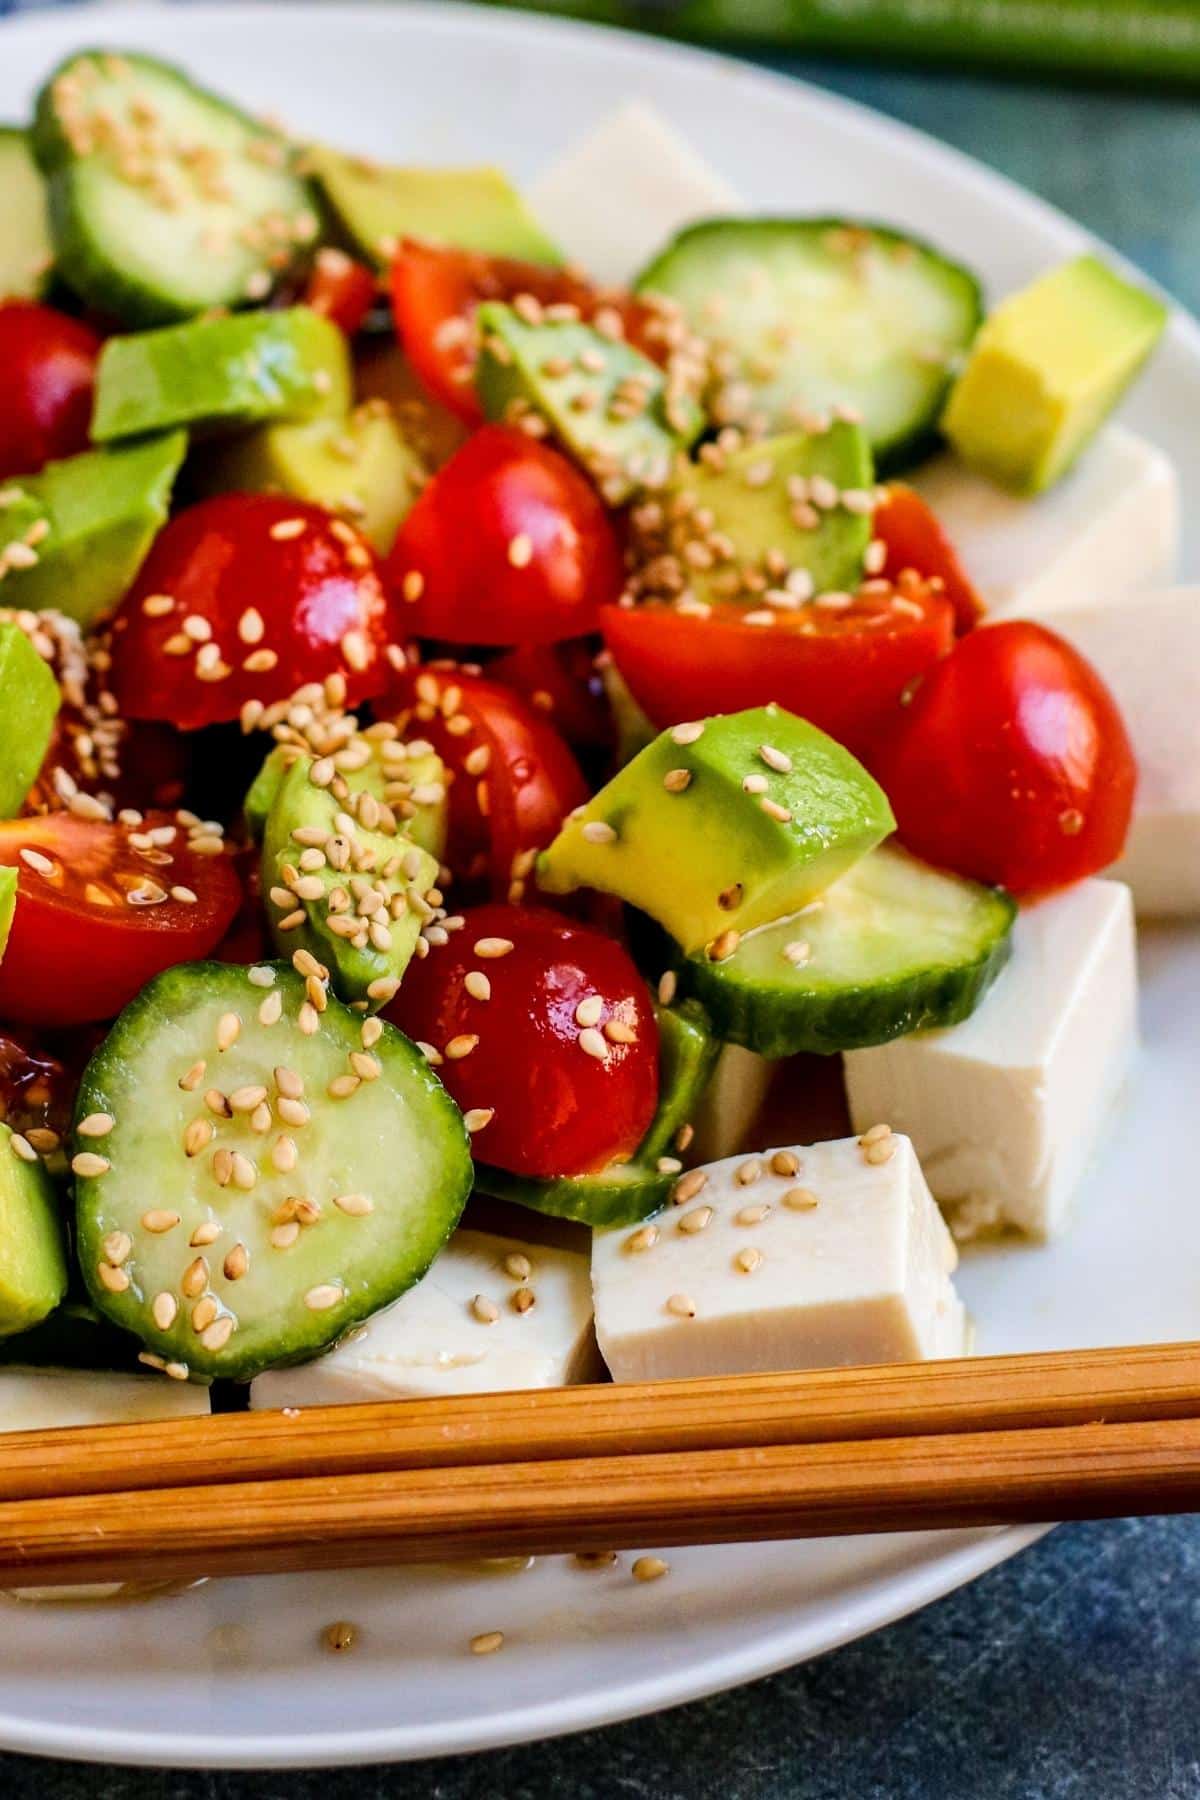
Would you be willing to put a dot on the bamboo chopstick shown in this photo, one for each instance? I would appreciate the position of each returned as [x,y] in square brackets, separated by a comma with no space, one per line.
[1077,1434]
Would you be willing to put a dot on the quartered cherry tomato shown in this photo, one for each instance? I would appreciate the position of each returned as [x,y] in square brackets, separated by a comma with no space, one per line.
[546,1037]
[434,296]
[507,544]
[341,289]
[249,597]
[913,539]
[49,364]
[1012,763]
[561,682]
[844,670]
[37,1089]
[513,779]
[103,907]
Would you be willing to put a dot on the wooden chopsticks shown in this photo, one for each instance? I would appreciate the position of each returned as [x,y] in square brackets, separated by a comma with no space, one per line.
[993,1441]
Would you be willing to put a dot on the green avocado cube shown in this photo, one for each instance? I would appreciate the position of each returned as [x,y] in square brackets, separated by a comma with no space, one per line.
[94,517]
[222,373]
[8,904]
[361,467]
[723,824]
[424,819]
[29,702]
[470,209]
[33,1263]
[607,404]
[1047,368]
[791,512]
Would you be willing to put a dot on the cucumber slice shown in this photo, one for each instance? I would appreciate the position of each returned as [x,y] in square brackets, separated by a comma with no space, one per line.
[892,947]
[164,199]
[629,1191]
[26,253]
[816,313]
[231,1289]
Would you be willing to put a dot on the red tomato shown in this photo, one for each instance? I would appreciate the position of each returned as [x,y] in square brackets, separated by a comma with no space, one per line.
[434,296]
[37,1090]
[513,778]
[98,914]
[269,594]
[507,544]
[843,670]
[914,540]
[341,289]
[560,681]
[49,365]
[1012,763]
[521,1057]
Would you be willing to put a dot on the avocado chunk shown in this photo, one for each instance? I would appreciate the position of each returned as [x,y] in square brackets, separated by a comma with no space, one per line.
[424,820]
[722,825]
[607,404]
[1047,368]
[223,373]
[29,701]
[33,1263]
[26,253]
[789,515]
[361,467]
[92,519]
[376,206]
[8,905]
[626,1192]
[364,906]
[73,1336]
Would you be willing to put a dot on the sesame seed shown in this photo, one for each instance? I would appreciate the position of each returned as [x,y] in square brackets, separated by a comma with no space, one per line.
[517,1265]
[271,1009]
[773,810]
[747,1173]
[747,1261]
[698,1219]
[486,1643]
[218,1334]
[384,987]
[461,1046]
[284,529]
[875,557]
[689,1185]
[875,1134]
[163,1310]
[97,1124]
[339,1636]
[785,1162]
[520,550]
[491,947]
[798,953]
[372,1031]
[477,984]
[157,606]
[33,859]
[800,1199]
[288,1082]
[228,1027]
[643,1239]
[485,1310]
[589,1010]
[323,1296]
[667,984]
[597,831]
[244,1172]
[676,781]
[687,733]
[775,759]
[117,1246]
[524,1300]
[593,1043]
[753,1215]
[245,1099]
[197,1136]
[682,1306]
[87,1164]
[308,1019]
[194,1279]
[413,585]
[723,946]
[754,784]
[478,1117]
[285,1235]
[115,1280]
[880,1151]
[650,1568]
[250,626]
[236,1263]
[342,1086]
[355,1206]
[158,1220]
[204,1312]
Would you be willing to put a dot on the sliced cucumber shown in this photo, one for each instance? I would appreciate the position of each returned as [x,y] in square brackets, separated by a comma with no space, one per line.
[632,1190]
[164,199]
[195,1253]
[26,253]
[892,947]
[816,313]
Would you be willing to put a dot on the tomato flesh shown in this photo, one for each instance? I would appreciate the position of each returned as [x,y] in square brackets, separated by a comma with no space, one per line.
[100,910]
[843,670]
[512,778]
[341,289]
[517,1055]
[507,544]
[268,594]
[913,539]
[1012,763]
[560,681]
[49,364]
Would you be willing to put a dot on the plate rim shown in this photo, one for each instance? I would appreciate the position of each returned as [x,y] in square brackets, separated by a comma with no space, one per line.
[885,1600]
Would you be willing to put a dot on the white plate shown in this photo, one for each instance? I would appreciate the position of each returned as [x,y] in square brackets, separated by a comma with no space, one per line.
[231,1674]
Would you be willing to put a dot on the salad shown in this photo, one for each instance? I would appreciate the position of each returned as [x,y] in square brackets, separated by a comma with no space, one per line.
[470,725]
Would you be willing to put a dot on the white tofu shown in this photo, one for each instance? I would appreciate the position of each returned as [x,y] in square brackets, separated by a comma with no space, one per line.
[431,1342]
[1006,1109]
[44,1399]
[1110,526]
[732,1102]
[1147,648]
[862,1277]
[615,198]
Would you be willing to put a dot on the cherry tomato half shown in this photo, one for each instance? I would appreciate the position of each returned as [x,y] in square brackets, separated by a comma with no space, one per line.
[1012,763]
[265,594]
[103,907]
[507,544]
[913,539]
[844,670]
[341,289]
[37,1089]
[49,365]
[434,296]
[513,779]
[551,1095]
[561,682]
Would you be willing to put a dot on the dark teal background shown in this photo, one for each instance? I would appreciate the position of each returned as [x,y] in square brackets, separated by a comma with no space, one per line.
[1072,1673]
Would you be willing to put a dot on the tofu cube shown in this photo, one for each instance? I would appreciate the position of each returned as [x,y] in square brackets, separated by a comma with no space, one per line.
[46,1399]
[1147,648]
[1111,525]
[441,1338]
[845,1261]
[1006,1109]
[615,198]
[735,1096]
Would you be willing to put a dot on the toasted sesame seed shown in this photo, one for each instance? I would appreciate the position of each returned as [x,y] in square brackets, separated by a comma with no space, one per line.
[478,1117]
[593,1043]
[228,1027]
[97,1124]
[203,1313]
[218,1334]
[618,1032]
[747,1173]
[485,1310]
[682,1306]
[486,1643]
[197,1135]
[117,1246]
[236,1263]
[644,1238]
[284,1236]
[875,1134]
[355,1206]
[288,1082]
[339,1636]
[384,987]
[698,1219]
[753,1215]
[163,1310]
[159,1219]
[308,1019]
[194,1279]
[477,984]
[244,1172]
[775,759]
[115,1280]
[323,1296]
[880,1151]
[271,1010]
[650,1568]
[245,1099]
[785,1162]
[723,946]
[413,585]
[668,1165]
[747,1260]
[461,1046]
[157,606]
[773,810]
[89,1165]
[754,784]
[689,1185]
[667,984]
[677,780]
[366,1067]
[372,1031]
[205,1233]
[597,831]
